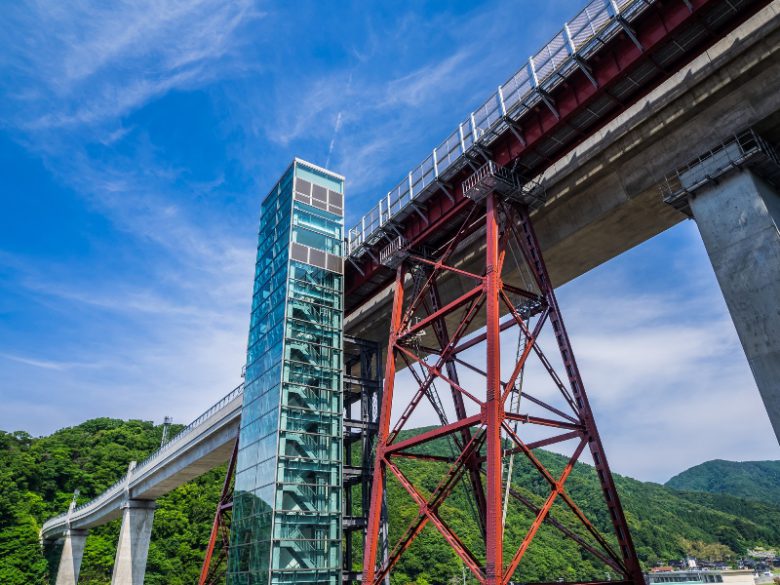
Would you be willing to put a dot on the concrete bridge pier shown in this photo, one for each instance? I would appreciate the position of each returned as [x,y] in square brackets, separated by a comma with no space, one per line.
[70,560]
[739,217]
[134,538]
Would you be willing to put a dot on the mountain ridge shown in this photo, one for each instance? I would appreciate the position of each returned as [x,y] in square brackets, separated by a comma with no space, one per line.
[752,480]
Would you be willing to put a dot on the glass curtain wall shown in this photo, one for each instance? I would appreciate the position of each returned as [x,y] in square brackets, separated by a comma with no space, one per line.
[286,524]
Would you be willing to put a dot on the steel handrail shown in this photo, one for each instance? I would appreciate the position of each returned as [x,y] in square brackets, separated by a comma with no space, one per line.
[600,19]
[707,167]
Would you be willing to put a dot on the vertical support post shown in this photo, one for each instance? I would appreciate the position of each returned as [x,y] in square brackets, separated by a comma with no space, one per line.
[501,104]
[361,393]
[532,73]
[378,481]
[70,560]
[346,561]
[570,48]
[493,408]
[134,538]
[739,221]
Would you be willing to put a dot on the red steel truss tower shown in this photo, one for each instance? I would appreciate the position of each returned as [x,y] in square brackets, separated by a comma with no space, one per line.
[497,416]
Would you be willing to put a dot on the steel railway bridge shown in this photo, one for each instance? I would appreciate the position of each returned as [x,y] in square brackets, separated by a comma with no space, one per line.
[558,171]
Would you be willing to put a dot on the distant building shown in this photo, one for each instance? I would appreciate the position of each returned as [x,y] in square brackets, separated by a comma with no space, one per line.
[761,554]
[699,577]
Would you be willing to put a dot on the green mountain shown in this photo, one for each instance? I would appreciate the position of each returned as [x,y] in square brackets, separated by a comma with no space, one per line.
[38,476]
[752,480]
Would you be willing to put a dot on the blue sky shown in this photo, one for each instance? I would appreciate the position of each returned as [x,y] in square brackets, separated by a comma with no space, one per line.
[136,143]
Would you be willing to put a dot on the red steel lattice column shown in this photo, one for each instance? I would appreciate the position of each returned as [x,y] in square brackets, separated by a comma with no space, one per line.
[532,250]
[209,572]
[493,410]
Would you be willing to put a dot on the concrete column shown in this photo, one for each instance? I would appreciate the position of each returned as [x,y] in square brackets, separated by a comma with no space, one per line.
[738,218]
[133,547]
[70,560]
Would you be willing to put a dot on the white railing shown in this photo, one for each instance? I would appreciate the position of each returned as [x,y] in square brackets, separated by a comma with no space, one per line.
[389,256]
[579,39]
[118,488]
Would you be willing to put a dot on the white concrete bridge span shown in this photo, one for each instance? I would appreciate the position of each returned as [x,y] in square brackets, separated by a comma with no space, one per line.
[202,445]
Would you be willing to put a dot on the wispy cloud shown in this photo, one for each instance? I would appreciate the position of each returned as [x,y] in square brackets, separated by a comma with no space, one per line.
[49,364]
[428,81]
[90,63]
[171,306]
[388,117]
[336,128]
[155,320]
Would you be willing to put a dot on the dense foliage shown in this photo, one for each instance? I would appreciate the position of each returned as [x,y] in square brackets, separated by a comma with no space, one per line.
[38,477]
[752,480]
[37,480]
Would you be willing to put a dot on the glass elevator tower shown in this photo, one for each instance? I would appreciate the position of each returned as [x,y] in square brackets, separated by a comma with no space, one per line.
[286,525]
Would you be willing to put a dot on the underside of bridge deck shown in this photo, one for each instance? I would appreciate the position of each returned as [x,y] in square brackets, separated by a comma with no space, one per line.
[603,196]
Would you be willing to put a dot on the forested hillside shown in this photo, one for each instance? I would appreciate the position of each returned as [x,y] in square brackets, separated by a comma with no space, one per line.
[37,479]
[752,480]
[38,476]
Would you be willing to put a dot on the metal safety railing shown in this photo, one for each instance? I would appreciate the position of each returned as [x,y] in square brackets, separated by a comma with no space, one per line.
[580,38]
[117,488]
[746,148]
[392,254]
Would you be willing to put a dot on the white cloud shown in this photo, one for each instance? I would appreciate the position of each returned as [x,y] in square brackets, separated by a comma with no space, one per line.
[388,121]
[126,350]
[89,63]
[160,326]
[428,81]
[48,364]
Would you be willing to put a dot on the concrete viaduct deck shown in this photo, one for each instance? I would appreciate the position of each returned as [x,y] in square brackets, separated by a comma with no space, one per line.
[603,196]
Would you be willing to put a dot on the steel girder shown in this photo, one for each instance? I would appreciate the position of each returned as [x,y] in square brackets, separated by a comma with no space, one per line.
[656,30]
